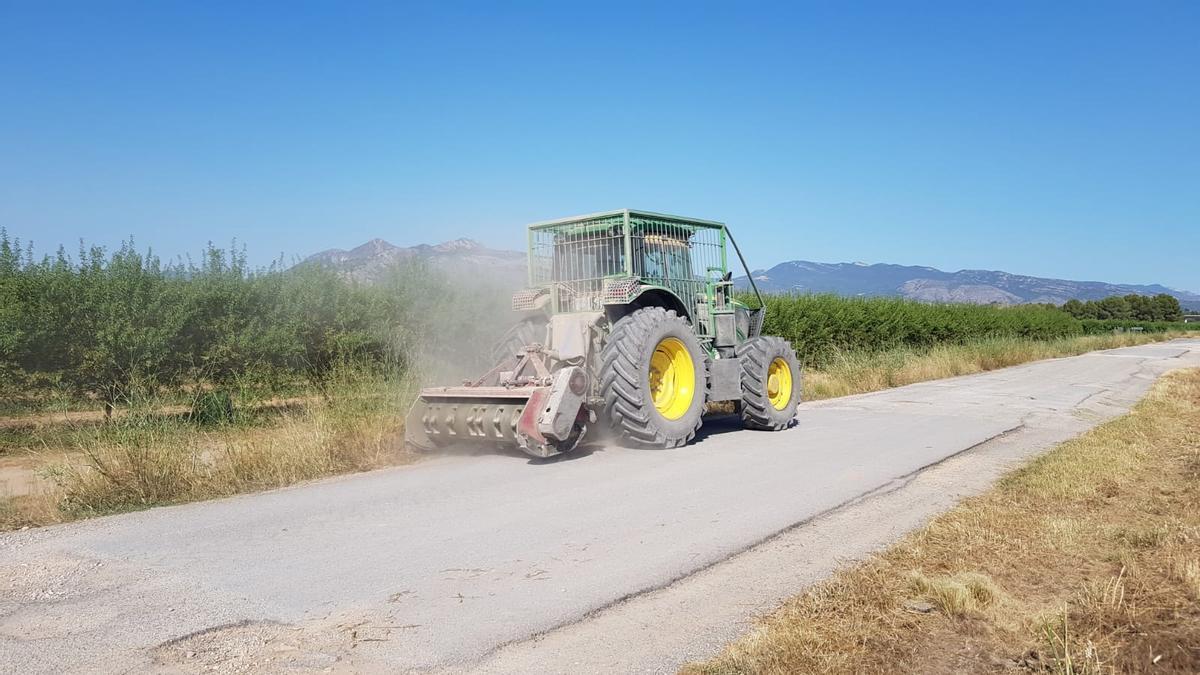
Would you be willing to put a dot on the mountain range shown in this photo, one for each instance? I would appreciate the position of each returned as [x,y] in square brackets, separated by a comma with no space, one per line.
[928,284]
[465,256]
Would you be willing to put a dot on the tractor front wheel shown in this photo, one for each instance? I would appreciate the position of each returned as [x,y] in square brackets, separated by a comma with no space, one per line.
[770,383]
[653,379]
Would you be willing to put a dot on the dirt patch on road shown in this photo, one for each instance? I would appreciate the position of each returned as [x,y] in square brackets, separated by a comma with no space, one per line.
[248,647]
[261,646]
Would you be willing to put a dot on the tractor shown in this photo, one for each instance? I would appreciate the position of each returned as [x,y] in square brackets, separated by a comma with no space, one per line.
[629,321]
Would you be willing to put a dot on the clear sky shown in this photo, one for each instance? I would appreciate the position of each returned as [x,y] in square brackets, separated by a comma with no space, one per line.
[1049,138]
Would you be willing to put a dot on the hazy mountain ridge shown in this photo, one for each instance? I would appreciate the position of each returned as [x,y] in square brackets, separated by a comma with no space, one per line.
[368,261]
[933,285]
[929,284]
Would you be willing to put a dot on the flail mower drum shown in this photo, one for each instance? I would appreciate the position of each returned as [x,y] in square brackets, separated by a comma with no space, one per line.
[629,320]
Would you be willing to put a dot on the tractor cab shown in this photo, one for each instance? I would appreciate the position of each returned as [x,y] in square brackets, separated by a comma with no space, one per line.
[623,260]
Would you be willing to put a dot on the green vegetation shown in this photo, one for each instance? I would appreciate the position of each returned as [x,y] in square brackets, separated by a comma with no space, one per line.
[824,328]
[1132,307]
[125,327]
[1117,313]
[1098,326]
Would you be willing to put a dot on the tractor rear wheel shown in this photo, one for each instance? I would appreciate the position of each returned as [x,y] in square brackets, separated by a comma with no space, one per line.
[770,383]
[653,379]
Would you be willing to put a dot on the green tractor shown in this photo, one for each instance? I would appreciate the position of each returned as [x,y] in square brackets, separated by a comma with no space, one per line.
[629,320]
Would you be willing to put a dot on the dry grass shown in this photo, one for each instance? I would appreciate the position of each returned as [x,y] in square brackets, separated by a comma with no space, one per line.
[137,463]
[858,373]
[1187,570]
[1085,561]
[961,594]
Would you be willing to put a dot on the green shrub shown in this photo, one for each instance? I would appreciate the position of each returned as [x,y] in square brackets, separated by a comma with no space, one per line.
[1100,326]
[212,408]
[124,326]
[822,326]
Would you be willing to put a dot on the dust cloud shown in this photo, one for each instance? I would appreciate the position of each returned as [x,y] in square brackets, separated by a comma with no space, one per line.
[450,318]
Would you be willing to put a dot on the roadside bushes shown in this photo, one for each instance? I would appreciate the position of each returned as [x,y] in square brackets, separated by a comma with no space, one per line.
[821,327]
[121,325]
[1130,307]
[1100,326]
[124,325]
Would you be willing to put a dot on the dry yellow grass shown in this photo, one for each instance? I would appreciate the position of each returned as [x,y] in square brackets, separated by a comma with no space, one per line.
[137,463]
[1187,570]
[960,594]
[1085,561]
[858,373]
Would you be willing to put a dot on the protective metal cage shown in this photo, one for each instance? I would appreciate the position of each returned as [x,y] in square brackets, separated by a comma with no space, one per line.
[577,257]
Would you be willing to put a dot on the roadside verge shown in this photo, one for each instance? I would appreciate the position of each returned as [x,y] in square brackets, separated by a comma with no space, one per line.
[1086,560]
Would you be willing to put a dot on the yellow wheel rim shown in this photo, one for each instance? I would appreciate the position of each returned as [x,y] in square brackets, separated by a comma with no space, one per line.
[779,384]
[672,378]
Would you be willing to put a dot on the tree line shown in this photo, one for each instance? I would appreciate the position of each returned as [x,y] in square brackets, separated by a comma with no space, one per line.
[823,327]
[1132,307]
[115,325]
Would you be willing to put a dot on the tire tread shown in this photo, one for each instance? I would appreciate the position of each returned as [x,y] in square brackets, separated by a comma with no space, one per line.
[755,355]
[625,400]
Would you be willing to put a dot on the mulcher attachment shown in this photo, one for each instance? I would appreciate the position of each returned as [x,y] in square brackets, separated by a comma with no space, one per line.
[539,411]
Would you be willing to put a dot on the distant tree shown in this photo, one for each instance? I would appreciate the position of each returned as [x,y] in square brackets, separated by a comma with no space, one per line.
[1140,307]
[223,311]
[48,315]
[1166,308]
[10,307]
[1132,307]
[1074,307]
[135,318]
[1114,307]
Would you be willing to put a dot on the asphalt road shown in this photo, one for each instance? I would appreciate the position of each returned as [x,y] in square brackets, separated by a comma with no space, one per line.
[474,562]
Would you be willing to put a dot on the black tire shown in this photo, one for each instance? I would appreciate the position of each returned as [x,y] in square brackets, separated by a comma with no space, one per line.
[524,332]
[756,356]
[625,380]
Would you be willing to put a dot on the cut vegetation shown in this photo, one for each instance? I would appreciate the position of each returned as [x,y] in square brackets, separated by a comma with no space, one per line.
[1085,561]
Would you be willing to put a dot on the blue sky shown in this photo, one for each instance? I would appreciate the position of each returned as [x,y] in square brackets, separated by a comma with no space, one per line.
[1055,139]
